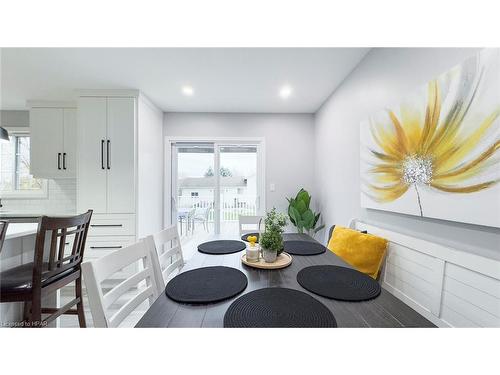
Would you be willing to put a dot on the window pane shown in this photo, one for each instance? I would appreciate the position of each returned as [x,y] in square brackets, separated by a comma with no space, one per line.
[25,181]
[15,166]
[7,150]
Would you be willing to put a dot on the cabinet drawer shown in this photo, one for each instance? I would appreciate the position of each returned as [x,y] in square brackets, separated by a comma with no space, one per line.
[112,225]
[97,247]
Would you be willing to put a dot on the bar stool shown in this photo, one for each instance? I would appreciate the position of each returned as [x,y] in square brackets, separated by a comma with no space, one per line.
[53,268]
[3,232]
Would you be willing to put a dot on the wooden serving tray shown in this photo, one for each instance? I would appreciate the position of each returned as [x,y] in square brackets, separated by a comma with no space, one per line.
[283,260]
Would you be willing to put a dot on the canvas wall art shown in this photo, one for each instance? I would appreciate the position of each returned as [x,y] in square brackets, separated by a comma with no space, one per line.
[436,154]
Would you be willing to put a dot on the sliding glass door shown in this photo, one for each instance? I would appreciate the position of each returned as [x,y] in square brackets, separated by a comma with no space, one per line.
[193,187]
[212,183]
[238,185]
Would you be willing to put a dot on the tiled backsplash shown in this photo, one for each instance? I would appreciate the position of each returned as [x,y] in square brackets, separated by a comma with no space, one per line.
[61,199]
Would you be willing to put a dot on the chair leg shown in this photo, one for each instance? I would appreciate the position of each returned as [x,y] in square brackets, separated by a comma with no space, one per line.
[27,311]
[79,305]
[35,318]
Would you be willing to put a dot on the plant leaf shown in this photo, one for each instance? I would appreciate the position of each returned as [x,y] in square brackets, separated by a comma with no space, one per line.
[294,216]
[319,228]
[301,207]
[316,218]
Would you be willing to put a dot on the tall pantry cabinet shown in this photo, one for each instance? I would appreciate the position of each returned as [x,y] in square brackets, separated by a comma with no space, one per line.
[120,137]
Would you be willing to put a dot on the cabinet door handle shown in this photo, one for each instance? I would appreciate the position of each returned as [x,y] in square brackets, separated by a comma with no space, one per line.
[102,153]
[64,160]
[107,153]
[58,160]
[106,247]
[106,225]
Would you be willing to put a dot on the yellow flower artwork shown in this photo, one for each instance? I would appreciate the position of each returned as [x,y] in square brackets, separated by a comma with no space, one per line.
[437,153]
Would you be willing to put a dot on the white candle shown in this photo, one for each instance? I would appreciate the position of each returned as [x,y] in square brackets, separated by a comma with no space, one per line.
[253,253]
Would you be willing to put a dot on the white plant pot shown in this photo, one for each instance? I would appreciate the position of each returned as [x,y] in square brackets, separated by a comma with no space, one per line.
[269,255]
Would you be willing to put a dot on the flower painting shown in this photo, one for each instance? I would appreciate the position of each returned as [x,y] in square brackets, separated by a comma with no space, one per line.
[436,154]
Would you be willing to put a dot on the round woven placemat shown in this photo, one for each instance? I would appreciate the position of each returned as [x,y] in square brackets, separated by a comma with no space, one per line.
[339,283]
[303,247]
[221,247]
[206,285]
[278,308]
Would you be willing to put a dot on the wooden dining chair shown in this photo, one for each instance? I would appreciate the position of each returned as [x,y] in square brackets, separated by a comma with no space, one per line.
[166,250]
[59,248]
[246,221]
[3,231]
[143,282]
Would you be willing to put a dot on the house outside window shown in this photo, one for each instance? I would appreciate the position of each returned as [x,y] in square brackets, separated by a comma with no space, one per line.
[194,194]
[15,178]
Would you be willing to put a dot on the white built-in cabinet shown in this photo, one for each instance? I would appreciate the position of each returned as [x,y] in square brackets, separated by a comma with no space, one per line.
[107,153]
[120,137]
[52,139]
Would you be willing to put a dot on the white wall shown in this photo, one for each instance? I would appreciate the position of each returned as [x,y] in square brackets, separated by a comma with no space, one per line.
[289,142]
[382,78]
[150,169]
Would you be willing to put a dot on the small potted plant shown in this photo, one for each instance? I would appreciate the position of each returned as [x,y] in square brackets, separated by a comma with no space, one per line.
[271,241]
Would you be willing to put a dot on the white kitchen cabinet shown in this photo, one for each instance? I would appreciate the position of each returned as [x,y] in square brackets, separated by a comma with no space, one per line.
[92,173]
[52,139]
[120,168]
[120,157]
[106,154]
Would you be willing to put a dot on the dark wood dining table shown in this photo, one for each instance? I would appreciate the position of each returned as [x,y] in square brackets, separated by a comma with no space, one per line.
[383,311]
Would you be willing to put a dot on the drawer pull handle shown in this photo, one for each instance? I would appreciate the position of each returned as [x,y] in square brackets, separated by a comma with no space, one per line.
[106,225]
[106,247]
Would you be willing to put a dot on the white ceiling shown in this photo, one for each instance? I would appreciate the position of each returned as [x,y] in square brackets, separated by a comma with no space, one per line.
[224,80]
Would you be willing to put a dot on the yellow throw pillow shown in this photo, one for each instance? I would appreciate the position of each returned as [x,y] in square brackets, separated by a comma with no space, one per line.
[364,252]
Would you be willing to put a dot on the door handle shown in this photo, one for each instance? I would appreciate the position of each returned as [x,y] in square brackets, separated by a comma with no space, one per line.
[107,153]
[102,154]
[58,160]
[64,160]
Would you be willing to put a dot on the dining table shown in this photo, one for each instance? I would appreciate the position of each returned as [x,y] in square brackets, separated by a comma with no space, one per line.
[383,311]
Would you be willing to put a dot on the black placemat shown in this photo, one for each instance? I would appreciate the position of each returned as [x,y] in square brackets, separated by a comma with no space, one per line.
[206,285]
[339,283]
[304,247]
[220,247]
[278,308]
[245,236]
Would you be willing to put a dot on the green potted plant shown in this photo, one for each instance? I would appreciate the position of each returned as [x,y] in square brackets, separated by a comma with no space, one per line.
[304,219]
[271,241]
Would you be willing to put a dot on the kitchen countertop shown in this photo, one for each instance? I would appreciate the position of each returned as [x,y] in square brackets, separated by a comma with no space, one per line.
[15,230]
[29,214]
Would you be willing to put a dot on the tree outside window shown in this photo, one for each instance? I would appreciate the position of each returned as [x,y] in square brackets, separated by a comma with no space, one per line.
[15,177]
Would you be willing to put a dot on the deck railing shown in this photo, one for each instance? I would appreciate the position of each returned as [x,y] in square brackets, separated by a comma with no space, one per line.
[232,205]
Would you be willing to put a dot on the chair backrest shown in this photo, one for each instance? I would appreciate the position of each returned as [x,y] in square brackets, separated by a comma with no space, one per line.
[53,257]
[166,250]
[249,224]
[98,270]
[3,232]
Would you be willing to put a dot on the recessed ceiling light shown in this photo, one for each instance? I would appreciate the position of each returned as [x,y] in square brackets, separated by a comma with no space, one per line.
[187,90]
[285,91]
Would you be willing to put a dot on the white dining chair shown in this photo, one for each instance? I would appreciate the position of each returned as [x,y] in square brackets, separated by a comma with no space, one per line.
[249,224]
[95,272]
[166,250]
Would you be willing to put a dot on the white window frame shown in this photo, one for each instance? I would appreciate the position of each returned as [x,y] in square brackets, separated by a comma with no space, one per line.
[43,193]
